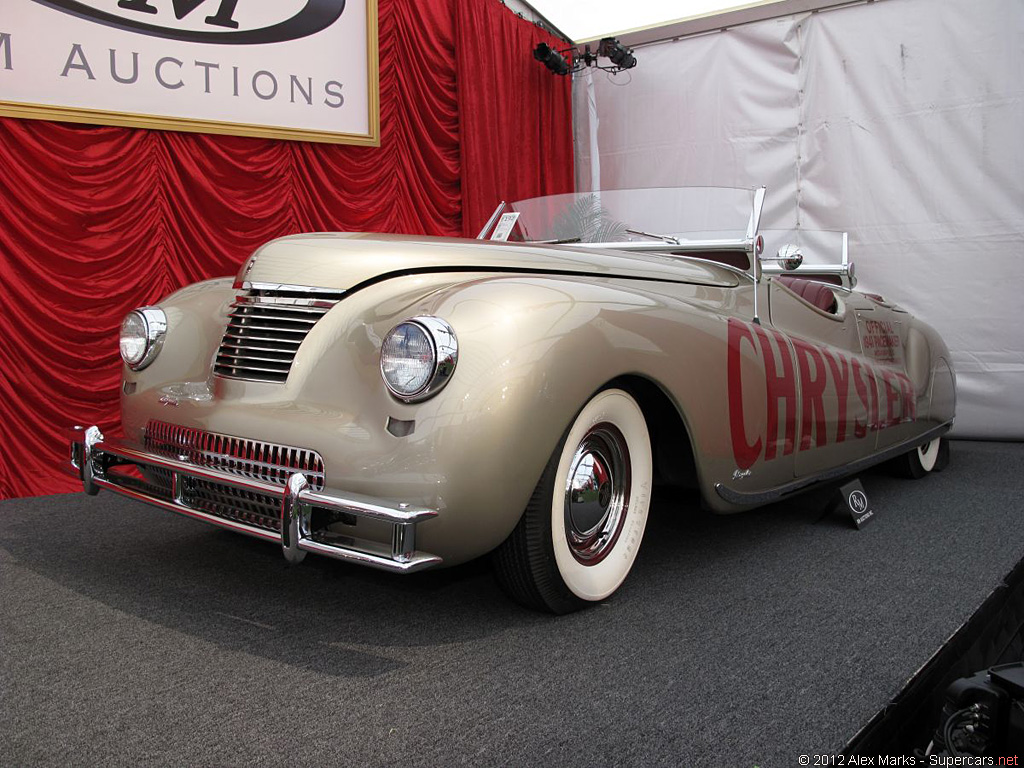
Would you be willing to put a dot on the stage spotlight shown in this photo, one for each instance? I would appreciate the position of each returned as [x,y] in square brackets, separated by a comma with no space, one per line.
[572,60]
[621,56]
[551,59]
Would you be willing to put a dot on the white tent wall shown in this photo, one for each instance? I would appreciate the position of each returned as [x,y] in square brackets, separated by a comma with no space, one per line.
[900,121]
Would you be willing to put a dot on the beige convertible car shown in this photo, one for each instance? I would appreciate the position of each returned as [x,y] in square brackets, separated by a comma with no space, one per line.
[412,402]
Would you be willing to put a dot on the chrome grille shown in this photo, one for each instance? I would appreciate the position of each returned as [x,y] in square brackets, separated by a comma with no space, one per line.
[269,462]
[264,331]
[248,507]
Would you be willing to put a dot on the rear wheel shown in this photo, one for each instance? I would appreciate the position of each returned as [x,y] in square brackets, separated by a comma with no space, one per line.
[933,456]
[582,528]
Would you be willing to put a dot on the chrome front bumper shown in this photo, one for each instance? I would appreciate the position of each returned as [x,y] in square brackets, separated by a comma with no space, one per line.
[93,457]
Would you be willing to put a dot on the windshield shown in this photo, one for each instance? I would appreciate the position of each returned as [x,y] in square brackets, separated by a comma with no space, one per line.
[658,215]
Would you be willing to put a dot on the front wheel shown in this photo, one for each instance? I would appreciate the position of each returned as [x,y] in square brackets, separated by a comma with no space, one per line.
[582,527]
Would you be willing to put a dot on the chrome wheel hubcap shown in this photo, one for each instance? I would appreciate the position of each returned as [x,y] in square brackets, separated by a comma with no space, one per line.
[597,494]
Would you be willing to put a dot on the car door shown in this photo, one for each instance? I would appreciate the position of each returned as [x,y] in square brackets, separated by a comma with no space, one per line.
[837,415]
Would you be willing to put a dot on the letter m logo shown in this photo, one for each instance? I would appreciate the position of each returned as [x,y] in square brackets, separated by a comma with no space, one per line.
[182,8]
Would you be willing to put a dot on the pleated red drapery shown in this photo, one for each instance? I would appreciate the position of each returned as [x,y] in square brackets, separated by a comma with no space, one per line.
[502,85]
[97,220]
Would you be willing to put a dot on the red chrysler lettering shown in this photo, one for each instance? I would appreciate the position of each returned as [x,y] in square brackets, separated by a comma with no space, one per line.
[745,453]
[779,388]
[839,365]
[812,393]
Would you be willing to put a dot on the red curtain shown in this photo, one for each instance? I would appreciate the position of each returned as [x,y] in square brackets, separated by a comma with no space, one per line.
[515,115]
[97,220]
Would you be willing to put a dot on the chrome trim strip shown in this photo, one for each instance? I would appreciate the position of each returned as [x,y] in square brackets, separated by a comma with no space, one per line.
[366,506]
[741,498]
[755,214]
[249,369]
[258,357]
[247,336]
[810,279]
[664,238]
[272,328]
[286,302]
[239,377]
[242,356]
[738,244]
[820,269]
[288,287]
[248,303]
[297,313]
[752,245]
[296,501]
[252,317]
[134,455]
[417,563]
[252,347]
[745,274]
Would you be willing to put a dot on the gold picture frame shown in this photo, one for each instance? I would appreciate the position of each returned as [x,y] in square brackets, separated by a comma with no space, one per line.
[219,127]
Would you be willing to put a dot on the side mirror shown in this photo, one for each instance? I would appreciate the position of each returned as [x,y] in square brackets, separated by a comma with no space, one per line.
[789,257]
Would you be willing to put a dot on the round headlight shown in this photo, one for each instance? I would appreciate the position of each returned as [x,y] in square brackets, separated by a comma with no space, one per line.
[418,358]
[142,334]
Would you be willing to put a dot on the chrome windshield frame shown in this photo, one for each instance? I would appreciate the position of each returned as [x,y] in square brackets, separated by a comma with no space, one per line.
[649,246]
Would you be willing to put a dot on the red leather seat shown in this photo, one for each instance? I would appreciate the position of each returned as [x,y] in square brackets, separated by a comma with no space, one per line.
[819,295]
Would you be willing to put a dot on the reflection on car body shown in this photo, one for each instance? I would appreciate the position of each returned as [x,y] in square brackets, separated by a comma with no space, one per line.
[405,403]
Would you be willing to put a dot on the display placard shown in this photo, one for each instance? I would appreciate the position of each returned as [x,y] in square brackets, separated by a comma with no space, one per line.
[855,501]
[288,69]
[505,225]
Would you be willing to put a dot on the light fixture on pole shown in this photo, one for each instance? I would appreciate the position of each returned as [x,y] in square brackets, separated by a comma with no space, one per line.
[571,60]
[551,59]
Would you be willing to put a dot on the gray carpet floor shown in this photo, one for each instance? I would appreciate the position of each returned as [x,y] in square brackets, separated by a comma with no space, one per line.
[130,636]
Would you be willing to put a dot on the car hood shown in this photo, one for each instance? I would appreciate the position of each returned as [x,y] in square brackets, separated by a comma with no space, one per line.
[346,261]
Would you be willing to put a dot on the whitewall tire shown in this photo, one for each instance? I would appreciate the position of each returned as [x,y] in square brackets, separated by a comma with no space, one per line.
[581,531]
[928,454]
[933,456]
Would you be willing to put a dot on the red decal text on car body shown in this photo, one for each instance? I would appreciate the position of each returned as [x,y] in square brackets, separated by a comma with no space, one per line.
[881,341]
[817,376]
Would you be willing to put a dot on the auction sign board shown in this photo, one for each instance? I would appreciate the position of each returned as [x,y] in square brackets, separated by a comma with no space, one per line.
[287,69]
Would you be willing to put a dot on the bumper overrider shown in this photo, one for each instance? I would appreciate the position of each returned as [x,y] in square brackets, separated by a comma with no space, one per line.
[119,466]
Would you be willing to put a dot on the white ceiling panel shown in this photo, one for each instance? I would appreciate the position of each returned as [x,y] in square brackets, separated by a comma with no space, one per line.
[640,21]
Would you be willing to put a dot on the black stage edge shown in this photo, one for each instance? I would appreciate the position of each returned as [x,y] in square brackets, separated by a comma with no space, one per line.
[993,635]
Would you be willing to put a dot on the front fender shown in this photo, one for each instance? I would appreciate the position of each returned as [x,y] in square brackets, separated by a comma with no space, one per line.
[532,352]
[196,316]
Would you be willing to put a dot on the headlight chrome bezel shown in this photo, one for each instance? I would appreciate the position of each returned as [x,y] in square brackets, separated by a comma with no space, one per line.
[155,322]
[445,348]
